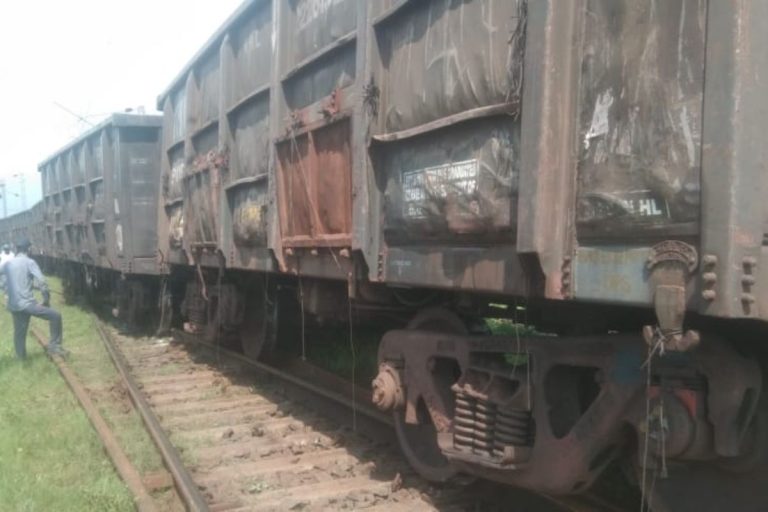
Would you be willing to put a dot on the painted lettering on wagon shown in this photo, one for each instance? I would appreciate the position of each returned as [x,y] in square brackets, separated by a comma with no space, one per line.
[309,10]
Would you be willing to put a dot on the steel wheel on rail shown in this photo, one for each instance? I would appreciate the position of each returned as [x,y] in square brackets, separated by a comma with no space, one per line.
[738,484]
[419,442]
[258,331]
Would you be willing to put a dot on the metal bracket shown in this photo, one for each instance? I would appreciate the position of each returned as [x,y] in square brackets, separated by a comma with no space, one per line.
[671,264]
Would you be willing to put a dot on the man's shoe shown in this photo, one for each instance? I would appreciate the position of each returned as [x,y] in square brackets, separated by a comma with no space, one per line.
[58,351]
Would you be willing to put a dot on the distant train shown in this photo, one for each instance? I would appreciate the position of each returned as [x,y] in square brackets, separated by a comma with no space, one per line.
[600,161]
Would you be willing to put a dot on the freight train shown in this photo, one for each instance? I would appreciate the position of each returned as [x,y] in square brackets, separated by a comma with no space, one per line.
[599,162]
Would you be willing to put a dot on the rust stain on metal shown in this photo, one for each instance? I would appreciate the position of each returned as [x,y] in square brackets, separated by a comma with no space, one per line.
[314,187]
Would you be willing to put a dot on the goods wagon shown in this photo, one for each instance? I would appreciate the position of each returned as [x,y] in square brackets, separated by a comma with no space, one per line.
[26,224]
[598,159]
[592,168]
[100,210]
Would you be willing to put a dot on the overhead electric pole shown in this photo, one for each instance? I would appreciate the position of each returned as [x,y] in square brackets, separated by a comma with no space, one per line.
[22,190]
[5,200]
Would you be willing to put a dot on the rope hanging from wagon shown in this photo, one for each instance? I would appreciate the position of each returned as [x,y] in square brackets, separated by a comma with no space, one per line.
[658,348]
[316,214]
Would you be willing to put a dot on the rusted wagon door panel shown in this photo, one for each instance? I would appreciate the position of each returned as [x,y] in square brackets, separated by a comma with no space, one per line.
[295,193]
[641,102]
[199,213]
[315,186]
[315,110]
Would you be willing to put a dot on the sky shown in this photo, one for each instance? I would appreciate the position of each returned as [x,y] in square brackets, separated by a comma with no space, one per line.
[92,57]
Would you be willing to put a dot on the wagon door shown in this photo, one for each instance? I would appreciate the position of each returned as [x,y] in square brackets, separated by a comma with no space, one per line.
[641,118]
[640,110]
[77,166]
[97,211]
[139,158]
[246,63]
[202,174]
[316,73]
[669,143]
[444,101]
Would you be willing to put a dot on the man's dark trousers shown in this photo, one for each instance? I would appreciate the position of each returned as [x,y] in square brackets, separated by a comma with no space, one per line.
[21,324]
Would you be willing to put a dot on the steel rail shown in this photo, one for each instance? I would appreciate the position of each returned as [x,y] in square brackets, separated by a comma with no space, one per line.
[185,486]
[360,407]
[127,471]
[588,502]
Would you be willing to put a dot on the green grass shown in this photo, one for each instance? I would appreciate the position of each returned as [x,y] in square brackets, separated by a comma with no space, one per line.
[330,349]
[90,360]
[506,327]
[50,457]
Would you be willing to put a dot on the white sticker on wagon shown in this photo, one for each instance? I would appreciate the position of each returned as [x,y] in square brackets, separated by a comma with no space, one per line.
[438,182]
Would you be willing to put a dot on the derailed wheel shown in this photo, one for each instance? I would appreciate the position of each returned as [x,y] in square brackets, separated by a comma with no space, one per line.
[419,442]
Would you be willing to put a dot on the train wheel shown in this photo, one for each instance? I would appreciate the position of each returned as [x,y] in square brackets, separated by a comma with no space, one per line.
[419,442]
[737,485]
[258,331]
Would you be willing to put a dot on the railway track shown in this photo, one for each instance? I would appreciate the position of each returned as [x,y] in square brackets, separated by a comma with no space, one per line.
[251,444]
[258,437]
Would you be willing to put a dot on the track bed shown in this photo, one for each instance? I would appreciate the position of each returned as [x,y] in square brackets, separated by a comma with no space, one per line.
[252,444]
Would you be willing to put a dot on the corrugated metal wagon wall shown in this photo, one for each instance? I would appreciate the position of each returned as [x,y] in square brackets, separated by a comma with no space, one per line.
[246,60]
[217,151]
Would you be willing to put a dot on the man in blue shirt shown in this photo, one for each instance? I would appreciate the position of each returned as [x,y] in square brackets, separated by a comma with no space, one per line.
[22,276]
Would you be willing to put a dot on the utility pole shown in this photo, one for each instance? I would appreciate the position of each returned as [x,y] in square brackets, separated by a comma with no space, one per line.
[5,200]
[22,190]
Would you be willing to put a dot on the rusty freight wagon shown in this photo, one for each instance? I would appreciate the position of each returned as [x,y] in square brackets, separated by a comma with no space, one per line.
[100,211]
[599,161]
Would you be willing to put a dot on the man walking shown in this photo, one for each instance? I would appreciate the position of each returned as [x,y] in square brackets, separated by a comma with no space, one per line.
[22,275]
